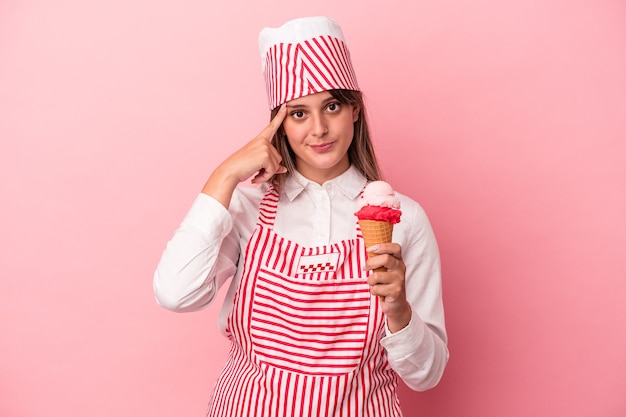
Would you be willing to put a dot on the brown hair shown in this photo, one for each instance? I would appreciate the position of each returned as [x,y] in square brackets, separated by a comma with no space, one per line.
[360,153]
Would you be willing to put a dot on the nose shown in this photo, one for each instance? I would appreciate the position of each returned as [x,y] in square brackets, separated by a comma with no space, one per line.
[319,125]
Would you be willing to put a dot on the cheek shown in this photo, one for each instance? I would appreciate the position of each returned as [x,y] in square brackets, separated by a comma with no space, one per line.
[291,142]
[290,130]
[285,127]
[348,129]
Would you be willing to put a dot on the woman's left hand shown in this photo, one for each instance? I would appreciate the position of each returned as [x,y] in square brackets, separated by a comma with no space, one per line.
[389,284]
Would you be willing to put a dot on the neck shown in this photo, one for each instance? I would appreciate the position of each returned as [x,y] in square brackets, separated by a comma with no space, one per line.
[321,176]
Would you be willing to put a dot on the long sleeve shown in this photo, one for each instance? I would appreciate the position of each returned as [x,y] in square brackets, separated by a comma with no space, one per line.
[201,255]
[419,353]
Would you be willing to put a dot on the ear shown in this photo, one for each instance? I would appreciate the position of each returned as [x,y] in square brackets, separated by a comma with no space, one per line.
[355,113]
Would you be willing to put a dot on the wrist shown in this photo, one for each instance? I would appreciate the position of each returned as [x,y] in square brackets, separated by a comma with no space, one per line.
[399,319]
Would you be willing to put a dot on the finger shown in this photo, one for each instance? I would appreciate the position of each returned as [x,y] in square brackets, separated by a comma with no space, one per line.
[271,129]
[382,292]
[380,278]
[386,285]
[264,175]
[375,262]
[260,177]
[392,249]
[271,167]
[385,261]
[269,161]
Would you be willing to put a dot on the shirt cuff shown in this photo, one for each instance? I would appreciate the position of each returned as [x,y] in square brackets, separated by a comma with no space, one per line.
[209,216]
[405,342]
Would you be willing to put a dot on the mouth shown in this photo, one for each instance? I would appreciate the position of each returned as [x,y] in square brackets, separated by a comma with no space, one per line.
[322,147]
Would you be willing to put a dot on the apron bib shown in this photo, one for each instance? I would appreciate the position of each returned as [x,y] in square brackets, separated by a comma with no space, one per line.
[305,332]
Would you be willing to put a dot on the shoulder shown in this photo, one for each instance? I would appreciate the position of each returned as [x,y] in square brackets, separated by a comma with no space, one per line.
[244,207]
[411,209]
[414,222]
[246,198]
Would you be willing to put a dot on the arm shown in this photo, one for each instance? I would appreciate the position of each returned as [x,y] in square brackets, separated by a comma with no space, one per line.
[205,249]
[201,255]
[415,336]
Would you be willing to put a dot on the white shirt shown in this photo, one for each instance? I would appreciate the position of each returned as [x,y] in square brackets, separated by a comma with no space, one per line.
[205,250]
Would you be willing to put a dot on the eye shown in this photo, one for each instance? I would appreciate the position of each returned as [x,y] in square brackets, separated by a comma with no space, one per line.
[333,107]
[297,114]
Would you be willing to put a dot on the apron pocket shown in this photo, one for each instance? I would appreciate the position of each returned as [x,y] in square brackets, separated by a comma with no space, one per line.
[309,327]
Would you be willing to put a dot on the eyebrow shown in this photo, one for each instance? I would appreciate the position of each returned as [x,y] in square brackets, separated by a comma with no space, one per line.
[304,106]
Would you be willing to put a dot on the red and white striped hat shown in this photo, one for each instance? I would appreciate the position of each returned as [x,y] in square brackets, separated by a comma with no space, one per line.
[305,56]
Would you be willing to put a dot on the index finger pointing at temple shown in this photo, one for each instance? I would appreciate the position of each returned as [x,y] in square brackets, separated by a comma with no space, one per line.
[271,129]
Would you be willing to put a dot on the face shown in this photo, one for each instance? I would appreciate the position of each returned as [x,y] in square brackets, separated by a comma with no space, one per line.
[320,130]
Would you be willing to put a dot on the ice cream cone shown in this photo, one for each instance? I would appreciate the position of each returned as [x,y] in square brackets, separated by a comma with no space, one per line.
[379,211]
[375,232]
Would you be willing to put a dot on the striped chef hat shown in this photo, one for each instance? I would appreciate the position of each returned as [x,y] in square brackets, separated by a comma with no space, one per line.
[305,56]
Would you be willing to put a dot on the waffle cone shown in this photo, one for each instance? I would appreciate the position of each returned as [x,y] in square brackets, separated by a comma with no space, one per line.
[374,232]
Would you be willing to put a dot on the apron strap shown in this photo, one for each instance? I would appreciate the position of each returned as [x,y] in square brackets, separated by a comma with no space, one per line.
[267,208]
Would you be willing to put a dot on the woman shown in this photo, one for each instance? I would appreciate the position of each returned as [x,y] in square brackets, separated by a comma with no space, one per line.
[313,331]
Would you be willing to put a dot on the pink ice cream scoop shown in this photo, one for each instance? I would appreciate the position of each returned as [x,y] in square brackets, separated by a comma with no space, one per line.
[379,202]
[379,193]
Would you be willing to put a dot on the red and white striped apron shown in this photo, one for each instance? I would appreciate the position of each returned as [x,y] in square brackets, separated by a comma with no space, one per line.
[305,333]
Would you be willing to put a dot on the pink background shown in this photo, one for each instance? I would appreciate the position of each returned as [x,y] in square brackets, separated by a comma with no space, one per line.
[505,119]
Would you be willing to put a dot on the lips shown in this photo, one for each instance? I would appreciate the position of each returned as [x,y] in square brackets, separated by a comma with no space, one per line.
[321,148]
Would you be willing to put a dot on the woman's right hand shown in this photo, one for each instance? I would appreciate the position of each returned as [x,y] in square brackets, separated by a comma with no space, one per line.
[257,156]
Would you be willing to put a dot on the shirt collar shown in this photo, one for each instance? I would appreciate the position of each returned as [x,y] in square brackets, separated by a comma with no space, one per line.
[350,183]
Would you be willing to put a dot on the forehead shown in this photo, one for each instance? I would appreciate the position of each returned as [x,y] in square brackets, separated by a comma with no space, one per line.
[311,100]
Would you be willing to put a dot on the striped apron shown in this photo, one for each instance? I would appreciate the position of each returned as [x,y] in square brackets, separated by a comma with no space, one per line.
[305,333]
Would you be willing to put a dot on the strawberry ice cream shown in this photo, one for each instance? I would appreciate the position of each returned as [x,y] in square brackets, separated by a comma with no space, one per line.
[379,202]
